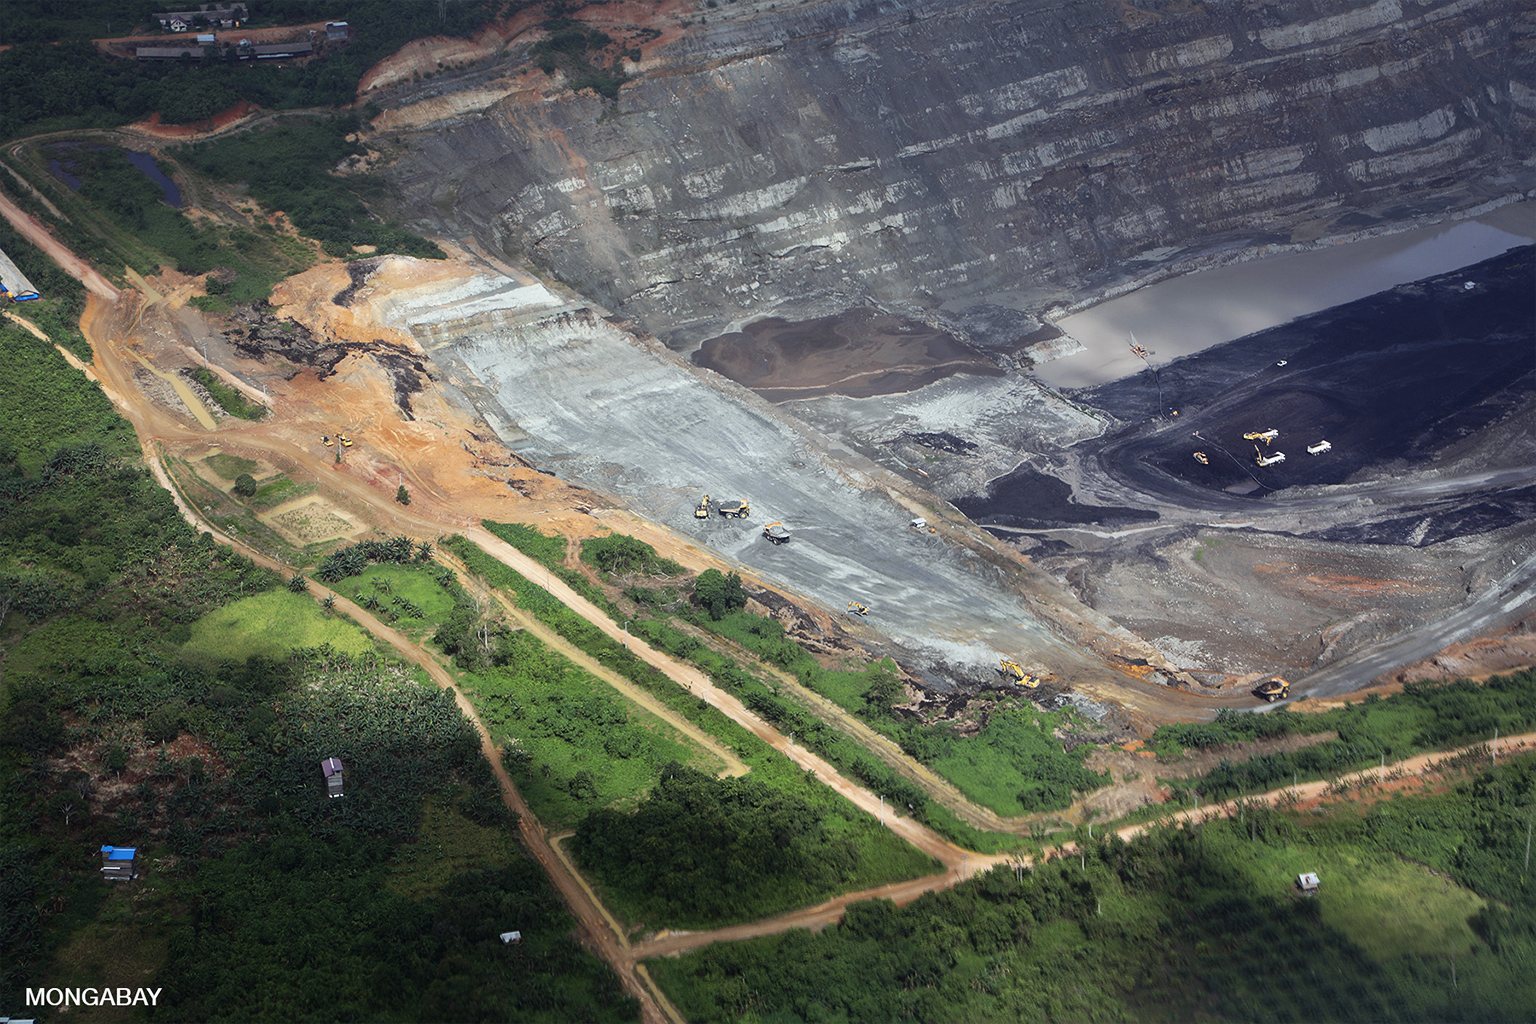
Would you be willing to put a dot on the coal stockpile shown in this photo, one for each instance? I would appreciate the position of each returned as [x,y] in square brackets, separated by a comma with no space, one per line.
[1392,378]
[1420,527]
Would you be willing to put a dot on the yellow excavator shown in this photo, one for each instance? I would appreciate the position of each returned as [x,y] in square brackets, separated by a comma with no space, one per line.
[854,608]
[702,512]
[1020,677]
[346,442]
[1200,457]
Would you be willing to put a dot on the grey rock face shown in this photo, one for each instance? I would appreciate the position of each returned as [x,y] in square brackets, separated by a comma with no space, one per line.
[1021,153]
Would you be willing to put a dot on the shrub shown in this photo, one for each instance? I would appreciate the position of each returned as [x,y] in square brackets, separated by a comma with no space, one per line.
[245,485]
[621,555]
[163,724]
[719,594]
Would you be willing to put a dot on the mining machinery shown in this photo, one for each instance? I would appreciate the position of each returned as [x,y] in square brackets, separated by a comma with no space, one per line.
[1273,689]
[1016,671]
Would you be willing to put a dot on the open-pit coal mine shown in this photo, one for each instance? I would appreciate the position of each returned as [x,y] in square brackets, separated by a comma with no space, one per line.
[810,253]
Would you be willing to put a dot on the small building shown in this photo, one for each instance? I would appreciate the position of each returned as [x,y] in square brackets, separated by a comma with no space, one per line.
[337,31]
[1308,883]
[276,51]
[167,52]
[511,937]
[331,769]
[119,864]
[12,283]
[225,15]
[206,39]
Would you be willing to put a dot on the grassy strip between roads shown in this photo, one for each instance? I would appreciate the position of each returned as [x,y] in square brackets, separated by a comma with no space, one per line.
[1423,717]
[863,853]
[767,699]
[1016,764]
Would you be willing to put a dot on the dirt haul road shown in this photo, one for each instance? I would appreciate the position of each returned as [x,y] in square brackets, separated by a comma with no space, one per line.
[39,236]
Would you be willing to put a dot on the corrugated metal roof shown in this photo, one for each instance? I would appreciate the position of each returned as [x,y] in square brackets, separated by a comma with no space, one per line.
[167,52]
[13,283]
[283,50]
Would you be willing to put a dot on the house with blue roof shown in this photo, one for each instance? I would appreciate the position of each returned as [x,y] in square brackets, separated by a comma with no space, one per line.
[119,863]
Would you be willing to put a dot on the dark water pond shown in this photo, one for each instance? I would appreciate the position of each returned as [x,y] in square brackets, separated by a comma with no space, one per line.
[63,165]
[146,163]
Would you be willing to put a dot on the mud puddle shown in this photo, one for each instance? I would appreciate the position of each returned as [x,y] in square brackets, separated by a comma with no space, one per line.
[859,353]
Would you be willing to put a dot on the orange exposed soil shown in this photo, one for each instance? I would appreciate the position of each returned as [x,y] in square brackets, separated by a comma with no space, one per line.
[633,25]
[219,122]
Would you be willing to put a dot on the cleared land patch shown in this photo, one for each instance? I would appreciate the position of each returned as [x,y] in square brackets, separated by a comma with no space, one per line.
[272,624]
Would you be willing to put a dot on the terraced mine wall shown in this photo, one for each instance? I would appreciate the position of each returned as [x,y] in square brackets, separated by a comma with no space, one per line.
[809,158]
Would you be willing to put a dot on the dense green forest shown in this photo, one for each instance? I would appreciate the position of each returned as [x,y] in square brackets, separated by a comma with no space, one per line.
[1185,923]
[53,86]
[700,849]
[121,723]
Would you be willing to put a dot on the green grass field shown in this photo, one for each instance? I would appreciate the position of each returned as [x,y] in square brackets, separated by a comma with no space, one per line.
[272,624]
[72,640]
[230,466]
[394,585]
[1387,906]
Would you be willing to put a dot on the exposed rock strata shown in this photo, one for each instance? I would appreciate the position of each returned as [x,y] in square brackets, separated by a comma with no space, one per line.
[803,160]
